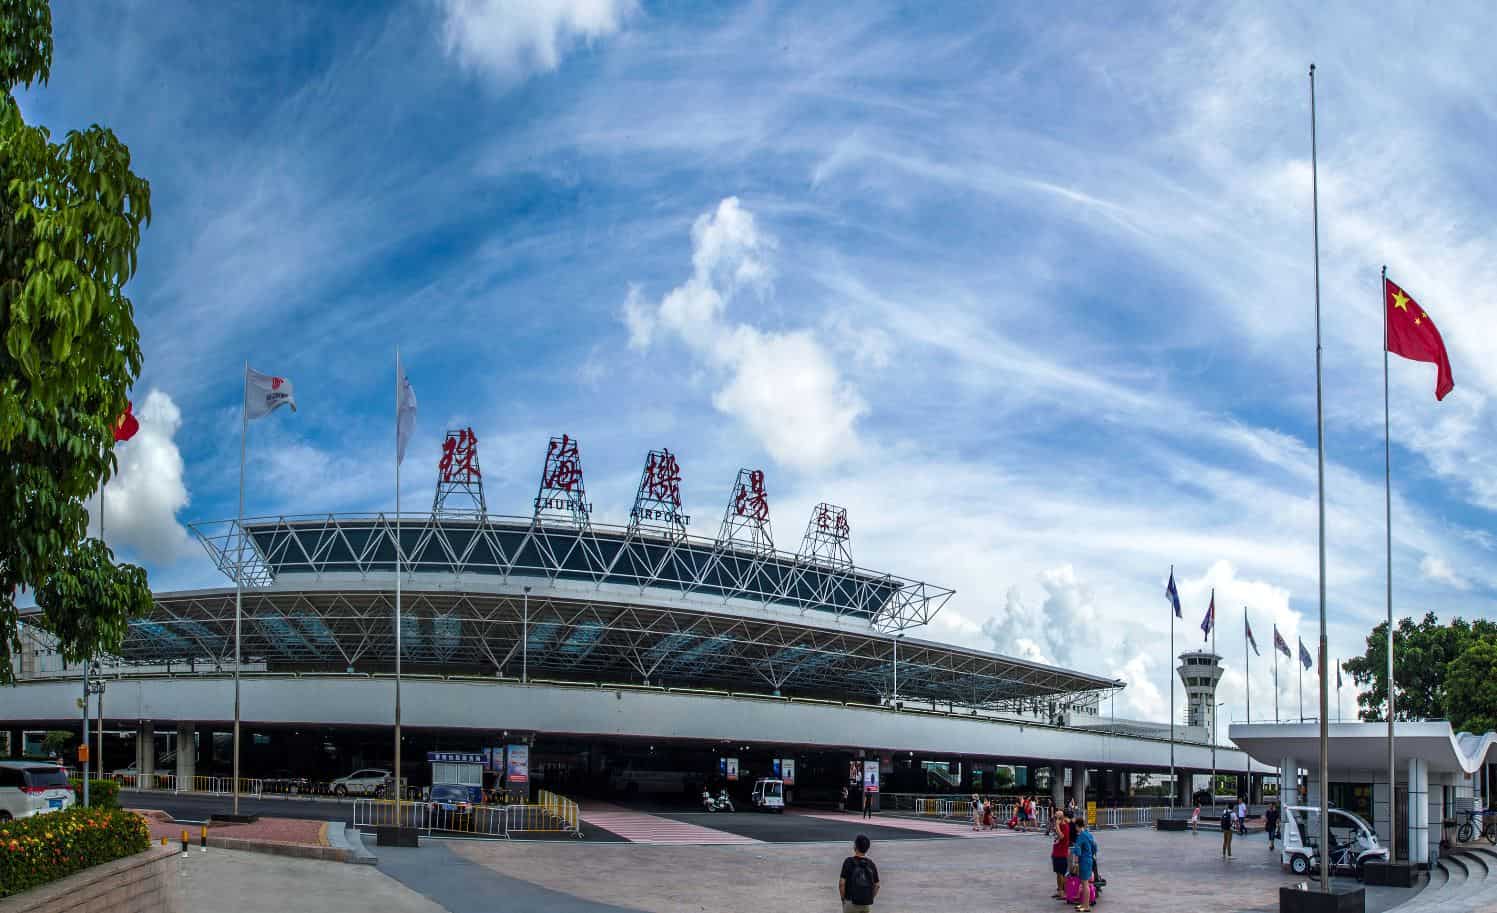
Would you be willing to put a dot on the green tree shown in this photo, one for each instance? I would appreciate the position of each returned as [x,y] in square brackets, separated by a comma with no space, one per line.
[70,220]
[1422,654]
[1471,687]
[55,742]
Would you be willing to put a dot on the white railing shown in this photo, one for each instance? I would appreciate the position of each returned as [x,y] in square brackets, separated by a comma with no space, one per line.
[216,786]
[1130,817]
[550,814]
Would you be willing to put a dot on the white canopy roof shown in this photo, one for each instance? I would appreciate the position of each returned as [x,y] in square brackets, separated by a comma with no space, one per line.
[1365,745]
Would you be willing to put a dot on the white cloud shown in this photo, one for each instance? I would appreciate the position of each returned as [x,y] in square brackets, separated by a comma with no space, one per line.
[783,386]
[142,500]
[1435,568]
[509,39]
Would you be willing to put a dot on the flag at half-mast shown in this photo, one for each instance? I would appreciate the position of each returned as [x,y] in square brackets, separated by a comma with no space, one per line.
[1279,643]
[1173,595]
[1248,630]
[265,393]
[1209,621]
[1412,335]
[405,413]
[1304,656]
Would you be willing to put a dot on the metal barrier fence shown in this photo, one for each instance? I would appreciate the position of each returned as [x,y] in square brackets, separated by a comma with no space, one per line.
[1130,817]
[217,786]
[961,810]
[551,814]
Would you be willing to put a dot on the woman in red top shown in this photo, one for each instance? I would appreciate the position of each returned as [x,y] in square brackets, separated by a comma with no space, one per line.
[1060,852]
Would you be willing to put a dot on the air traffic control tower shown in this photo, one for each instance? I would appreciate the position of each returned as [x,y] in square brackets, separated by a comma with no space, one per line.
[1200,671]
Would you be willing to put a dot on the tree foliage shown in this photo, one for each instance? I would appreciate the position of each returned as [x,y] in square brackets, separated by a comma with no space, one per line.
[1435,669]
[71,214]
[1471,687]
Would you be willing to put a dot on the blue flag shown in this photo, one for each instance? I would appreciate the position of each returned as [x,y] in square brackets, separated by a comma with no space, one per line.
[1210,620]
[1173,595]
[1304,656]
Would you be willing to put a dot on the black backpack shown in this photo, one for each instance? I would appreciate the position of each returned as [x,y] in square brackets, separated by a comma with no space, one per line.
[860,882]
[1227,820]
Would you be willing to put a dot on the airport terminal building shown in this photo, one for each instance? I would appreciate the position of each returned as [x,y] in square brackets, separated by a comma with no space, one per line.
[616,659]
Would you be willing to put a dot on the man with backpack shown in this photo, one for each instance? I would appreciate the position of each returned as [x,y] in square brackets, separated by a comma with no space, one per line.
[1227,822]
[859,882]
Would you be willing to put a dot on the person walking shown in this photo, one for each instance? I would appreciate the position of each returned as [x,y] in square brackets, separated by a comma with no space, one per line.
[842,803]
[1242,816]
[976,812]
[858,885]
[1195,820]
[1084,845]
[1060,853]
[1227,823]
[1271,823]
[867,803]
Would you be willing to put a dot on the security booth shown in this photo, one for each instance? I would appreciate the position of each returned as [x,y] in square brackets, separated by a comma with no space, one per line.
[456,768]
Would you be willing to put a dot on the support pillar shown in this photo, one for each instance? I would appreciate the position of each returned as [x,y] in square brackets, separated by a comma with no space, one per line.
[145,751]
[1289,781]
[1058,786]
[1184,787]
[1078,785]
[187,755]
[1418,812]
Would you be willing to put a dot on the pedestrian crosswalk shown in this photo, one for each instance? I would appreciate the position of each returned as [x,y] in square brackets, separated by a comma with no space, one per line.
[640,827]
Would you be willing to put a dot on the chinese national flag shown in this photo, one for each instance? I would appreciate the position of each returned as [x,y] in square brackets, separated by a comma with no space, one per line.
[1413,335]
[125,428]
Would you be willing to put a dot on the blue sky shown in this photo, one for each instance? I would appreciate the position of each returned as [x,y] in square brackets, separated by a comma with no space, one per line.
[1030,294]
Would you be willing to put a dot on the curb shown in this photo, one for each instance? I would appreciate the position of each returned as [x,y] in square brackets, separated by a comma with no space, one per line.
[345,837]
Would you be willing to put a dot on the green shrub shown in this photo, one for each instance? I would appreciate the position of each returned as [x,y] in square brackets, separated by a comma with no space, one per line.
[101,793]
[43,848]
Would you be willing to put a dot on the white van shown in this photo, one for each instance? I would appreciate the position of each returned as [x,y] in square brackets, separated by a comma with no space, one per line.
[32,788]
[769,795]
[1353,841]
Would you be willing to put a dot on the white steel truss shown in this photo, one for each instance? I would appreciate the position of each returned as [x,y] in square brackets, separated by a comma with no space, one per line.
[584,639]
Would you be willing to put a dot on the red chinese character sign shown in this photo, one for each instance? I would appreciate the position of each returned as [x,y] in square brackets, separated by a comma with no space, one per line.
[827,535]
[657,503]
[746,521]
[562,495]
[459,477]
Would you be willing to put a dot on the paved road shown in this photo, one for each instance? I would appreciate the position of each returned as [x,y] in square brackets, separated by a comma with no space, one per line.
[462,886]
[260,883]
[189,806]
[793,828]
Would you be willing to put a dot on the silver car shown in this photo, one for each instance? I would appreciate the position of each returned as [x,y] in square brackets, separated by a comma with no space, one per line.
[32,788]
[367,782]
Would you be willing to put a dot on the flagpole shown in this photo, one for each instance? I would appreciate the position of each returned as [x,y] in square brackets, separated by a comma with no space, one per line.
[1388,531]
[1215,724]
[1276,673]
[1300,671]
[1174,786]
[239,571]
[1247,667]
[1325,772]
[398,574]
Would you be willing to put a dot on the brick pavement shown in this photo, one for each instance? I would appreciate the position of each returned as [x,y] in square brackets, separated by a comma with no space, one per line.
[1146,870]
[294,831]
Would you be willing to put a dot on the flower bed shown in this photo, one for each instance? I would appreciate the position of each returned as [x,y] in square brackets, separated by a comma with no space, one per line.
[43,848]
[101,793]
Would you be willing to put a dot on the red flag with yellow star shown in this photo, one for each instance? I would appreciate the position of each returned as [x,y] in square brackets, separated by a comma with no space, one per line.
[1413,335]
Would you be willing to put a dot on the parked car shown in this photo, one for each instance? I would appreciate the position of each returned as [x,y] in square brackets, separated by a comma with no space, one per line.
[367,782]
[769,795]
[284,781]
[32,788]
[452,797]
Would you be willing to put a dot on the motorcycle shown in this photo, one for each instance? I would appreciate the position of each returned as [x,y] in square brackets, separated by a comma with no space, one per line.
[719,803]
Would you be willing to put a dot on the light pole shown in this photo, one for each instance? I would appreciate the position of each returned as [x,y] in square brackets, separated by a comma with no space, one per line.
[1215,722]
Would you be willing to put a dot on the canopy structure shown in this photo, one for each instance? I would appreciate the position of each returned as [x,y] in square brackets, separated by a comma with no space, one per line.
[1359,746]
[560,634]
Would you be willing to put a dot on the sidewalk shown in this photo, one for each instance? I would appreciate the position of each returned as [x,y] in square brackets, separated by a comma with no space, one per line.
[281,836]
[257,883]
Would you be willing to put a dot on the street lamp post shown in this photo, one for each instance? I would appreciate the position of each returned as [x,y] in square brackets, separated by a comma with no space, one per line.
[525,637]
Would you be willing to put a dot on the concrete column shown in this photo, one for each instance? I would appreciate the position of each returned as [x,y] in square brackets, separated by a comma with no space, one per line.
[1184,781]
[1418,839]
[1289,781]
[1058,786]
[1078,785]
[145,750]
[186,755]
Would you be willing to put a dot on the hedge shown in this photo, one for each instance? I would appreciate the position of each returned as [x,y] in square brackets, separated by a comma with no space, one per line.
[43,848]
[101,793]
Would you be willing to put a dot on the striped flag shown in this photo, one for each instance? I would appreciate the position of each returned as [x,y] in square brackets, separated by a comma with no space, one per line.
[1248,629]
[1304,656]
[1279,644]
[1172,595]
[1209,621]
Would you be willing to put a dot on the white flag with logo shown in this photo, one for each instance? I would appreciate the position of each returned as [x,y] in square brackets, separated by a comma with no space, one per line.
[264,393]
[405,413]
